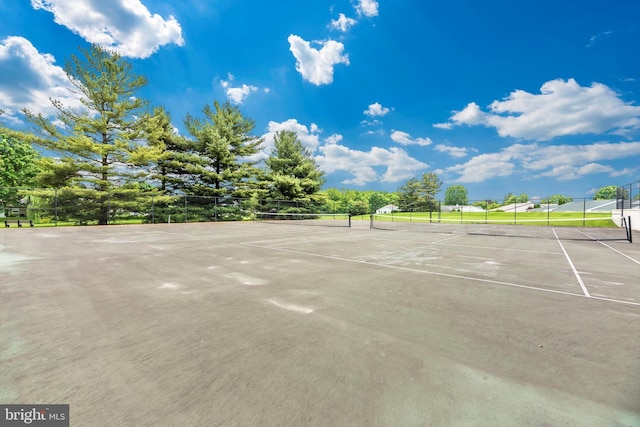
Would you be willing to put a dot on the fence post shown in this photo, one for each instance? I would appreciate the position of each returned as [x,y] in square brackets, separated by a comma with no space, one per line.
[153,210]
[55,204]
[548,211]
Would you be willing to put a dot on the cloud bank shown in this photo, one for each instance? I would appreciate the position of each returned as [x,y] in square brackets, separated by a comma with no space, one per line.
[563,162]
[562,108]
[30,79]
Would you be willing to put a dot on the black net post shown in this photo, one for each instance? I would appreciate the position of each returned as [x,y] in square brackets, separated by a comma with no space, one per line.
[55,206]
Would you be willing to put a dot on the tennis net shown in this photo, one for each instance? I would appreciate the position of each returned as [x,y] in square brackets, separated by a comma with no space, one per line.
[604,228]
[317,219]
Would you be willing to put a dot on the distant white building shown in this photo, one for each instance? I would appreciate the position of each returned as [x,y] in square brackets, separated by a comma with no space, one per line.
[387,209]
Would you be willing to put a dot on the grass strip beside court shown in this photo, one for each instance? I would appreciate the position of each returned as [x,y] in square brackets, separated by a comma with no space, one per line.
[559,219]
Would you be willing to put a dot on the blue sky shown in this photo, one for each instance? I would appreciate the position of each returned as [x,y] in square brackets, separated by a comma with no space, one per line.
[536,97]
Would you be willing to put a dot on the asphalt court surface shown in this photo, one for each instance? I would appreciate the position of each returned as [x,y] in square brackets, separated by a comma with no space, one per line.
[265,324]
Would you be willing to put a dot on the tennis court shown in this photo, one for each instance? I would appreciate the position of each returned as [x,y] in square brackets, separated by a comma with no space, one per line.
[252,323]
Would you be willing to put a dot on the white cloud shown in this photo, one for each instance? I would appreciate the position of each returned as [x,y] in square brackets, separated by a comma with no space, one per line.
[471,115]
[483,167]
[316,66]
[624,172]
[375,165]
[368,8]
[395,164]
[591,191]
[446,126]
[334,139]
[595,38]
[30,79]
[343,23]
[561,108]
[451,150]
[124,25]
[565,162]
[568,172]
[376,109]
[405,139]
[375,122]
[237,95]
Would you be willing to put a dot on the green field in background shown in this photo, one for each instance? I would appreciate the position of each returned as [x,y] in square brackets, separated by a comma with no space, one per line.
[557,219]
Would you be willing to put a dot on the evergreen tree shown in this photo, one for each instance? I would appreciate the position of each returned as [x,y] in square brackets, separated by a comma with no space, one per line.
[216,162]
[420,194]
[99,145]
[172,155]
[292,173]
[409,195]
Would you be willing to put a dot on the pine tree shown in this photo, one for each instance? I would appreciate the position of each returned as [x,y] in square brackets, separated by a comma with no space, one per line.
[99,144]
[217,161]
[420,194]
[292,173]
[171,149]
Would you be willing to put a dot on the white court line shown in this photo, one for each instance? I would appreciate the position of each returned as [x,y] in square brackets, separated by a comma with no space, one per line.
[454,276]
[447,238]
[613,249]
[582,285]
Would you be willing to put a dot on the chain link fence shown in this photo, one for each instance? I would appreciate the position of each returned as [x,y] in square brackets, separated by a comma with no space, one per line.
[629,196]
[543,211]
[73,206]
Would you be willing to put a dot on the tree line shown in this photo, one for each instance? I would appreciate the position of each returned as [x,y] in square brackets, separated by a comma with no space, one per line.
[116,141]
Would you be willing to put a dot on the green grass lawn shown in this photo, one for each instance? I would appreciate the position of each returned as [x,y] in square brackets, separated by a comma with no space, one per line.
[556,219]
